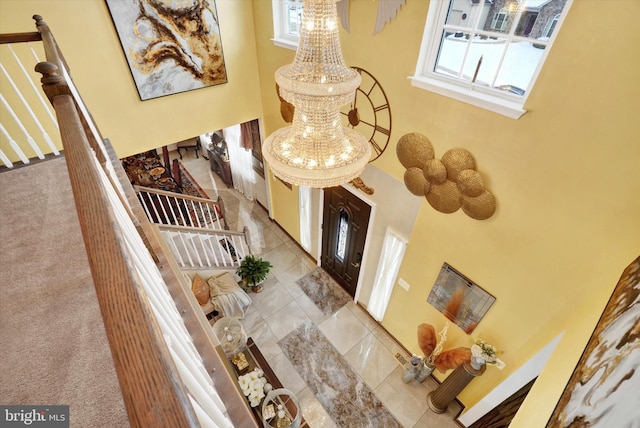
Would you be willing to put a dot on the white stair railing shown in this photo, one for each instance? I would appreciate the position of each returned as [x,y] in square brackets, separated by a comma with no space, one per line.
[178,209]
[197,248]
[165,356]
[188,362]
[23,133]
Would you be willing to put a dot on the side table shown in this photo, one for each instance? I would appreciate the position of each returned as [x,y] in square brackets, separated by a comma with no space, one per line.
[439,399]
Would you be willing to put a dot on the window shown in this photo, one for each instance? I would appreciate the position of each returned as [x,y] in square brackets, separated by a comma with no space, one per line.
[393,249]
[287,16]
[551,25]
[487,53]
[500,20]
[343,233]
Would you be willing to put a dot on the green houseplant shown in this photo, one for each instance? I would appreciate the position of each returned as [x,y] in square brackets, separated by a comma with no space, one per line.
[253,270]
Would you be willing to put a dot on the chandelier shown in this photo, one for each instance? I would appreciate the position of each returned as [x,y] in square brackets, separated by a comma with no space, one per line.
[316,150]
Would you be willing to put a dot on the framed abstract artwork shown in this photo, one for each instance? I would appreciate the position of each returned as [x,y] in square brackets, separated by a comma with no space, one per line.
[171,46]
[459,299]
[603,389]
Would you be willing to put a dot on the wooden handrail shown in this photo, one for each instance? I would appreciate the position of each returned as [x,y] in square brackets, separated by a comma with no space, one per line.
[152,390]
[20,37]
[153,393]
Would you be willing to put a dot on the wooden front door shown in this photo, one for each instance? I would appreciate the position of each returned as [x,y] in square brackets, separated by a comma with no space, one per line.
[344,231]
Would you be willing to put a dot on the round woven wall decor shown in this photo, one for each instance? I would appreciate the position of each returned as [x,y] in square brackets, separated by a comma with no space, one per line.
[481,207]
[457,160]
[415,181]
[414,150]
[470,183]
[435,171]
[444,197]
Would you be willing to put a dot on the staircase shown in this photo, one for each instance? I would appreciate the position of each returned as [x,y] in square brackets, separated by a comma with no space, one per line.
[195,229]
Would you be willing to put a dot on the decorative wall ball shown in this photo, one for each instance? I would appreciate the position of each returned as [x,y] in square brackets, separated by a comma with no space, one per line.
[414,150]
[415,181]
[456,161]
[470,183]
[444,197]
[435,171]
[448,183]
[480,207]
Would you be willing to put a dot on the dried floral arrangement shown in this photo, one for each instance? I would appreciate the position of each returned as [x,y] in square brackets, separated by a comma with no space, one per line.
[432,349]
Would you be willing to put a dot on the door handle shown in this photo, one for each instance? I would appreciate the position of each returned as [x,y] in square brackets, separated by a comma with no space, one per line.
[358,260]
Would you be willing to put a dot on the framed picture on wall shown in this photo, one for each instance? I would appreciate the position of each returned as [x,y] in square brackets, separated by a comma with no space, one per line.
[603,389]
[171,46]
[459,299]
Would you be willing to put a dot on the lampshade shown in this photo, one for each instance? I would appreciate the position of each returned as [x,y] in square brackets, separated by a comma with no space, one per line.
[316,150]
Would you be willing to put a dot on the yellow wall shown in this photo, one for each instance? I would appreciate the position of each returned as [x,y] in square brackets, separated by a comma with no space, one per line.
[566,177]
[88,38]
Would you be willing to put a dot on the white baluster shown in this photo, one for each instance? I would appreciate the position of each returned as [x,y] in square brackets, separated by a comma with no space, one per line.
[30,140]
[31,113]
[47,107]
[16,148]
[5,160]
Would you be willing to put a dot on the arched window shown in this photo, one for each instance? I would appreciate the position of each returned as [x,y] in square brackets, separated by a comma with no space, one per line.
[343,233]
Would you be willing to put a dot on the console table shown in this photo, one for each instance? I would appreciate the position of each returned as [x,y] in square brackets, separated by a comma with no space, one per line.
[220,166]
[256,360]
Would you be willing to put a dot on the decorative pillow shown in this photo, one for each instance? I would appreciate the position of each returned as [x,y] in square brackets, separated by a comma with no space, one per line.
[214,287]
[200,289]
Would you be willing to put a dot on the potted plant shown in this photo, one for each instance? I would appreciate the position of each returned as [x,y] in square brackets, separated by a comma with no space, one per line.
[253,270]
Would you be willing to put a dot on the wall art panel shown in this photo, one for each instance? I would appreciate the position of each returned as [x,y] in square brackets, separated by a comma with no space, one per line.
[603,389]
[171,46]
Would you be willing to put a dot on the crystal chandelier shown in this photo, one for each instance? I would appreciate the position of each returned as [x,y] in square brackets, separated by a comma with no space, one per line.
[316,150]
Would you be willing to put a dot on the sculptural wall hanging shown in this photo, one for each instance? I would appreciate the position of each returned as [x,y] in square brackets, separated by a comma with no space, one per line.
[387,10]
[449,183]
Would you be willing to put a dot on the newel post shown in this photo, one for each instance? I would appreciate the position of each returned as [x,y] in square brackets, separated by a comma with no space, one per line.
[53,82]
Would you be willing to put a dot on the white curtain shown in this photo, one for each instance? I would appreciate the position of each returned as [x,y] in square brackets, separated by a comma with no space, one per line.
[241,165]
[392,253]
[304,196]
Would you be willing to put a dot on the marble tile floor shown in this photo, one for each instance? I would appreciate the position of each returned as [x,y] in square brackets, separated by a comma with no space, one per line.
[282,306]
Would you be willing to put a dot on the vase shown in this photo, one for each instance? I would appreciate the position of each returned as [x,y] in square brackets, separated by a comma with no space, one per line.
[411,369]
[477,362]
[424,372]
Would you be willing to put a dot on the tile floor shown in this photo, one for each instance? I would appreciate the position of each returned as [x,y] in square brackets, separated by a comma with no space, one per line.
[282,306]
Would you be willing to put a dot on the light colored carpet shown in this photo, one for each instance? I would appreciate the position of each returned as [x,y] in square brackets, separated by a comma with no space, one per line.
[54,348]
